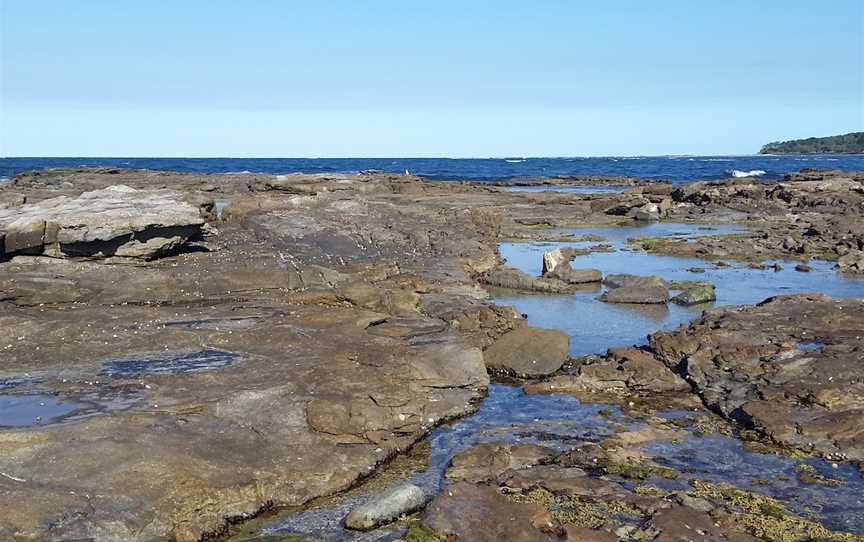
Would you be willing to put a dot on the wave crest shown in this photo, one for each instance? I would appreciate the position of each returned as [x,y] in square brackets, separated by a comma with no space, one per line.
[737,173]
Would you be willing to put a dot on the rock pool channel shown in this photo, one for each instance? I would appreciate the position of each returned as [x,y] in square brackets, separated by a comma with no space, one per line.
[563,422]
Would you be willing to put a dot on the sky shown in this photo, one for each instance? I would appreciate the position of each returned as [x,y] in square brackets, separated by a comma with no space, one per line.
[271,78]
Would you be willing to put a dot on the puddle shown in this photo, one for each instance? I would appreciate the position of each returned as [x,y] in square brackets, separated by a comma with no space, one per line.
[169,363]
[570,189]
[36,409]
[594,326]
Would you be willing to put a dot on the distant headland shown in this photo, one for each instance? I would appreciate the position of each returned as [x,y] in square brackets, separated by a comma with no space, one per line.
[851,143]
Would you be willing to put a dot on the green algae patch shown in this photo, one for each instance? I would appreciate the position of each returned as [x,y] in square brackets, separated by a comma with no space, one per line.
[592,515]
[807,474]
[634,470]
[564,509]
[651,491]
[418,533]
[767,518]
[711,425]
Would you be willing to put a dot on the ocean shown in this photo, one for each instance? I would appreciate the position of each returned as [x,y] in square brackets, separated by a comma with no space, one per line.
[677,169]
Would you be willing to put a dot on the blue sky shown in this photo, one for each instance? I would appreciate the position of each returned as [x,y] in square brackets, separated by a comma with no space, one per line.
[499,78]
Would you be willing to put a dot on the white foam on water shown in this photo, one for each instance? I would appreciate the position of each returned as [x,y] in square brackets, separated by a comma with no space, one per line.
[737,173]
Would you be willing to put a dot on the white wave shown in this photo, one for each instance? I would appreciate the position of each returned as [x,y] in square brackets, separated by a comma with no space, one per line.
[716,160]
[737,173]
[516,161]
[244,172]
[4,180]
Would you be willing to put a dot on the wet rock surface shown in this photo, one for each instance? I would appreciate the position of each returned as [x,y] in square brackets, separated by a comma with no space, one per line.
[790,368]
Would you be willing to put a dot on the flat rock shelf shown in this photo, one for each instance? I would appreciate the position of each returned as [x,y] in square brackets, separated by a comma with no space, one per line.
[275,357]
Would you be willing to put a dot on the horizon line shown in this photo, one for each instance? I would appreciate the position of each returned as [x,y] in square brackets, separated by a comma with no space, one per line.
[383,157]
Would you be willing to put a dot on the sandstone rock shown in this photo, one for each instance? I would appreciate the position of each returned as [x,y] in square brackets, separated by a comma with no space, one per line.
[387,507]
[528,352]
[635,289]
[552,259]
[29,289]
[23,233]
[651,295]
[510,277]
[488,461]
[696,503]
[695,296]
[471,512]
[851,262]
[621,281]
[565,273]
[10,200]
[790,368]
[624,371]
[649,211]
[116,221]
[291,184]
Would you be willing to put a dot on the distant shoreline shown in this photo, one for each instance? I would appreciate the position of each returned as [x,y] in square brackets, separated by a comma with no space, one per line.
[844,144]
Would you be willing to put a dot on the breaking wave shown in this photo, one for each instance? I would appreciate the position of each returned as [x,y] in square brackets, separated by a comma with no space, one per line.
[737,173]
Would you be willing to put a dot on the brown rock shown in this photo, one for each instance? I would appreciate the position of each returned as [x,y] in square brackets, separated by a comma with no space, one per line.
[528,352]
[488,461]
[481,514]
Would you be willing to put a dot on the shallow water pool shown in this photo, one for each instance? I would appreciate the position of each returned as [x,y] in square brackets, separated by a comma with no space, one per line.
[594,326]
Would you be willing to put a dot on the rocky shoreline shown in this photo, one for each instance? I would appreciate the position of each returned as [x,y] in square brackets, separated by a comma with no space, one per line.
[183,352]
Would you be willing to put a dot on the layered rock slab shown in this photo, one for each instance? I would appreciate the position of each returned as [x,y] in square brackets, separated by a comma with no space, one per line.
[114,221]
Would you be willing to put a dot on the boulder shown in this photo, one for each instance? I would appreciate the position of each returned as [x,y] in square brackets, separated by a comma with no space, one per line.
[509,277]
[528,352]
[553,259]
[651,295]
[386,508]
[649,211]
[620,280]
[115,221]
[635,289]
[695,296]
[851,262]
[623,372]
[565,273]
